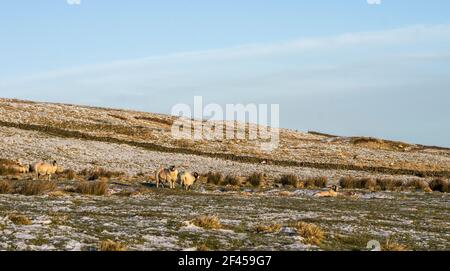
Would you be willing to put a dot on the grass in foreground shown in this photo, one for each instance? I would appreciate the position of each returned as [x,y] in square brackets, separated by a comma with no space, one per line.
[109,245]
[97,188]
[311,233]
[207,222]
[19,219]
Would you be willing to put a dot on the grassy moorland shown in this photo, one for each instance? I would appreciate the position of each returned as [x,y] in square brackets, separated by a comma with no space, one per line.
[103,197]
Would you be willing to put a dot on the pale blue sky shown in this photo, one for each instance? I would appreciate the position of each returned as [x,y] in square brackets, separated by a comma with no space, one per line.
[341,67]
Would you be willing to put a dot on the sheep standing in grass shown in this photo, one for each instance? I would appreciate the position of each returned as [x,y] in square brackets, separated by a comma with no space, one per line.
[19,168]
[169,175]
[187,179]
[44,169]
[332,193]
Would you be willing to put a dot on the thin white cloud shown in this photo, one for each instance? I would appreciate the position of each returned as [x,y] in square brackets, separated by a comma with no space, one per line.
[405,35]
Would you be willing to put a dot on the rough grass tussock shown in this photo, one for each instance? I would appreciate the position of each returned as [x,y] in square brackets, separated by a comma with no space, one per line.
[7,167]
[256,179]
[19,219]
[316,182]
[6,187]
[109,245]
[290,180]
[231,180]
[35,188]
[97,188]
[389,184]
[266,229]
[69,174]
[214,178]
[420,185]
[440,185]
[311,233]
[207,222]
[358,183]
[4,171]
[391,245]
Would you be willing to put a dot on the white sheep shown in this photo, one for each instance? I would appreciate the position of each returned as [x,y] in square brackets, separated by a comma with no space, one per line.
[18,167]
[169,175]
[333,192]
[187,179]
[43,169]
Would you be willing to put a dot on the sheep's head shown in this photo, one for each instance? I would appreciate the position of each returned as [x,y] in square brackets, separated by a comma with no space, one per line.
[172,168]
[196,175]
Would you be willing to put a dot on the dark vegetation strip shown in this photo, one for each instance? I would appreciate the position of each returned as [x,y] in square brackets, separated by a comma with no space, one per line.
[225,156]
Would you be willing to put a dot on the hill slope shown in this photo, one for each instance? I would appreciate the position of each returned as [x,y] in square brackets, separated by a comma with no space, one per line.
[80,136]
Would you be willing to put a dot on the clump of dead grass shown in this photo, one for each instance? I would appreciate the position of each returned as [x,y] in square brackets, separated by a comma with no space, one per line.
[440,185]
[8,167]
[69,174]
[358,183]
[202,247]
[109,245]
[266,229]
[256,179]
[19,219]
[35,188]
[57,194]
[96,188]
[214,178]
[316,182]
[420,185]
[392,245]
[231,180]
[389,184]
[5,187]
[311,233]
[210,222]
[291,180]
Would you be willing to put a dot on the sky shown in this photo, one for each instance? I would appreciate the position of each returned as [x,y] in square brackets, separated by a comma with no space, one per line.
[343,67]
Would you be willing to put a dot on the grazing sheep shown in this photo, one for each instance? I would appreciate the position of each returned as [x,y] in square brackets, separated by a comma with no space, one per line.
[187,179]
[330,193]
[42,169]
[169,175]
[18,167]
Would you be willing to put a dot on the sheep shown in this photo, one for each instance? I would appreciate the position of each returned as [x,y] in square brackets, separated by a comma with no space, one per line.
[18,167]
[187,179]
[333,192]
[22,169]
[169,175]
[42,169]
